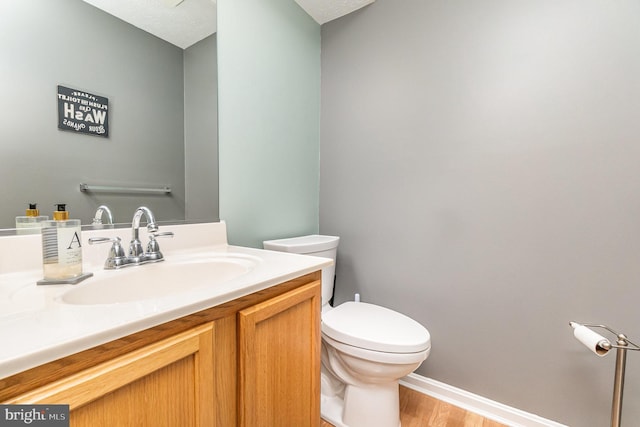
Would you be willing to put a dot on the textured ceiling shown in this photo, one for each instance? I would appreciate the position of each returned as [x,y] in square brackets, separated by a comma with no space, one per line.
[185,22]
[327,10]
[182,25]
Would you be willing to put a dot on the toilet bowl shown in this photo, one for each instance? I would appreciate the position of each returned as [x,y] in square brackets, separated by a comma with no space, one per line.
[366,349]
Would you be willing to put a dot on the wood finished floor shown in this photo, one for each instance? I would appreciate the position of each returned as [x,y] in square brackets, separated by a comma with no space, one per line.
[419,410]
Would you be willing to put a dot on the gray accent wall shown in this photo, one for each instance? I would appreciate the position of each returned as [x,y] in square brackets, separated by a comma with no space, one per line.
[201,130]
[480,162]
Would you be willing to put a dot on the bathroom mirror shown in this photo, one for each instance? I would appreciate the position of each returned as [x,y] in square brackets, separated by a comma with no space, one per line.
[162,113]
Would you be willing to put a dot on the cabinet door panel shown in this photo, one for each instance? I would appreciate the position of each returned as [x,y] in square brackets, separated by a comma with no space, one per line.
[168,383]
[279,360]
[165,397]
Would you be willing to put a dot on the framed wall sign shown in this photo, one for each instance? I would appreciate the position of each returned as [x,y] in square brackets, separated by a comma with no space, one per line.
[80,111]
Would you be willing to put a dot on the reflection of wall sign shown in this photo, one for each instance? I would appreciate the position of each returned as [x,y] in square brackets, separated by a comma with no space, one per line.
[83,112]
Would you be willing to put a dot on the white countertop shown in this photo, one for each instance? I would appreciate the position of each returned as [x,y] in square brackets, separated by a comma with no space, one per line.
[37,326]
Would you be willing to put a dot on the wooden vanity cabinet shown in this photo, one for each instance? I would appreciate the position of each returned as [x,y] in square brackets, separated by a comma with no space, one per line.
[165,383]
[279,342]
[254,361]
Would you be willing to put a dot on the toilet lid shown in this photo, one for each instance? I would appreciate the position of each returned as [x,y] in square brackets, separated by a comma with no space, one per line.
[375,328]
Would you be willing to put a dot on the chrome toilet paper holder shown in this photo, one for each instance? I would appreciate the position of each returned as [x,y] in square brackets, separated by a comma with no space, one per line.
[601,346]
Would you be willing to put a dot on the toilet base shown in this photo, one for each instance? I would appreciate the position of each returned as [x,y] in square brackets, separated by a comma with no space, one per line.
[367,408]
[331,410]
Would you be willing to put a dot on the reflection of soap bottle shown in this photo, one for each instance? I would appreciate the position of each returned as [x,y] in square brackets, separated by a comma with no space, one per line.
[61,246]
[31,222]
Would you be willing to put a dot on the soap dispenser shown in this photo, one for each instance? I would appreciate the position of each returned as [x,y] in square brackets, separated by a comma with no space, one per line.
[62,249]
[31,221]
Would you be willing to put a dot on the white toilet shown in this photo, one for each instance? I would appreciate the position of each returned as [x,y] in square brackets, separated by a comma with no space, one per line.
[366,348]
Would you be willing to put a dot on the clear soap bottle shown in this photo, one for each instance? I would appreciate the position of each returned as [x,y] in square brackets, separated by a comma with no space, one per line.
[31,221]
[61,246]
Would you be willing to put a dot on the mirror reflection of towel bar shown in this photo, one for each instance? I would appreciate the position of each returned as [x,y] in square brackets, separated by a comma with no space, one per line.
[115,189]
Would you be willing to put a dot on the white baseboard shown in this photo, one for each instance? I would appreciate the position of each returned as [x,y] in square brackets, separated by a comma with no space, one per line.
[472,402]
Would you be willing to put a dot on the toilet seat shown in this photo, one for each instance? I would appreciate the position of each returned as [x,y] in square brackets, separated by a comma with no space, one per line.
[375,328]
[377,356]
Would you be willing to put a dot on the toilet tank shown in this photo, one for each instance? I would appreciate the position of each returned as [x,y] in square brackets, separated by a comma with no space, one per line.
[314,245]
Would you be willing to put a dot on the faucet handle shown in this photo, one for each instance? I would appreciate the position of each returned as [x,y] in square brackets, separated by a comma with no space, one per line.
[153,249]
[117,257]
[163,234]
[116,248]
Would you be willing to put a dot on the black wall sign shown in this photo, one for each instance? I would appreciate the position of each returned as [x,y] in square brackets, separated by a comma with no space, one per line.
[79,111]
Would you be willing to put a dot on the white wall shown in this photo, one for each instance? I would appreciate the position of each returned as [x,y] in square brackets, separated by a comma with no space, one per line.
[480,162]
[269,120]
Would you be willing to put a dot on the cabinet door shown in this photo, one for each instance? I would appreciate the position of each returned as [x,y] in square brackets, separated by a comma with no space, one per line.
[279,360]
[168,383]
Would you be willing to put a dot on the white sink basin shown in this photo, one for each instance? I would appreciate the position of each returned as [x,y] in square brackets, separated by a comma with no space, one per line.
[157,280]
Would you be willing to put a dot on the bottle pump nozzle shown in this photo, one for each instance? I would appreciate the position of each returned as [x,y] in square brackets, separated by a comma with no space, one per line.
[60,214]
[32,211]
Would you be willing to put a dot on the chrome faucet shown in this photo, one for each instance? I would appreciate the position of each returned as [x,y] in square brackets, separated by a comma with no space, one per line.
[136,255]
[135,247]
[97,218]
